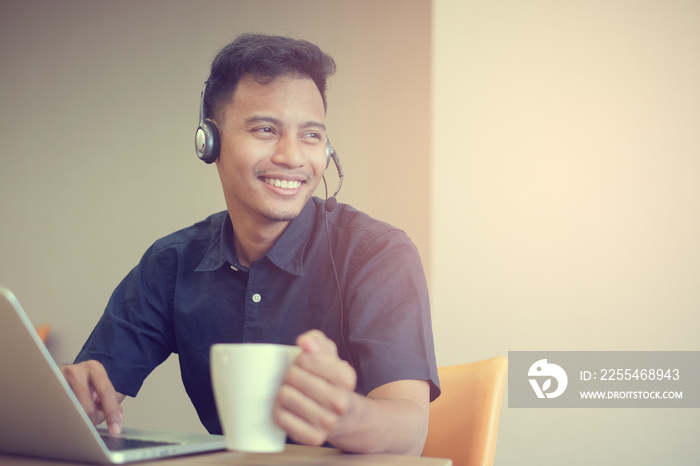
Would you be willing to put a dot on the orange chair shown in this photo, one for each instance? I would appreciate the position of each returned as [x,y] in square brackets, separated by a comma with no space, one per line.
[464,419]
[43,332]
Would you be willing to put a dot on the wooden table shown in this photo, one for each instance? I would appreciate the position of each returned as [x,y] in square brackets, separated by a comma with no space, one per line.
[292,455]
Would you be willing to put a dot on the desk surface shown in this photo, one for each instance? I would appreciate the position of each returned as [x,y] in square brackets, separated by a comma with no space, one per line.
[292,455]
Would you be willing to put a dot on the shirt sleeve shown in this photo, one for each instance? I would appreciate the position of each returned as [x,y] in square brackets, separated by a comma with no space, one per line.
[135,333]
[390,330]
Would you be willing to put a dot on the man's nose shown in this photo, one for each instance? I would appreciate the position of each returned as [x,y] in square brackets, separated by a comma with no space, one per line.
[288,152]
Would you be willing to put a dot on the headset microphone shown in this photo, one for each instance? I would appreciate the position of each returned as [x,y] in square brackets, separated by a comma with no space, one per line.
[333,201]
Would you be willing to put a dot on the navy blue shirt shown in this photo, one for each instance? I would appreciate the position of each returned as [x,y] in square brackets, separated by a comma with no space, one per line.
[189,291]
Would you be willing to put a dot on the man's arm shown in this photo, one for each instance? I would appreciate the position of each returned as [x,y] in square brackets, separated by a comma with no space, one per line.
[96,394]
[318,403]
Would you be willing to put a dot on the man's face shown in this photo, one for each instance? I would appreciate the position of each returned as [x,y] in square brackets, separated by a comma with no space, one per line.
[273,149]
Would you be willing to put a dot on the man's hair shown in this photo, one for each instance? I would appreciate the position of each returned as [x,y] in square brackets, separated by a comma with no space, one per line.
[265,58]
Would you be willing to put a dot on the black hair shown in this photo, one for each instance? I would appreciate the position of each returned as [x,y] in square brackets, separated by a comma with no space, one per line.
[264,57]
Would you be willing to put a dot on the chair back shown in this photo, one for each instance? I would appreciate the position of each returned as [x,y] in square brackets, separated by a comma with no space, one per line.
[464,418]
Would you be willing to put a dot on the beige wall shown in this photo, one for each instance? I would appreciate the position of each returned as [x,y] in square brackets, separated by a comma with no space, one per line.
[99,107]
[566,203]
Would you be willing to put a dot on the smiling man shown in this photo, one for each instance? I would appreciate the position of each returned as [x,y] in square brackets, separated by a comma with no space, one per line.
[278,266]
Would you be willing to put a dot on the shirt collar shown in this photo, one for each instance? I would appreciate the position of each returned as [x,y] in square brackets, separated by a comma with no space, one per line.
[287,253]
[220,248]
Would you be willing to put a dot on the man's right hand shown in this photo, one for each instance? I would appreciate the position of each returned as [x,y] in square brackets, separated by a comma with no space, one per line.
[95,392]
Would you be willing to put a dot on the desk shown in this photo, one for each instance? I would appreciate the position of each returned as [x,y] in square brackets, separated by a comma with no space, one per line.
[292,455]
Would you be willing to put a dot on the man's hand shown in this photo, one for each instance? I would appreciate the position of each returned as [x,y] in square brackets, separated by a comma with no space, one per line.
[317,391]
[96,394]
[317,403]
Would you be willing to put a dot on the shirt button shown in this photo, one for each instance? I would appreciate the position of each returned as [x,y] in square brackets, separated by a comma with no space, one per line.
[256,298]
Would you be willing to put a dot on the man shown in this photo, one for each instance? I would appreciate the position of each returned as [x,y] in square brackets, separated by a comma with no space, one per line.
[278,266]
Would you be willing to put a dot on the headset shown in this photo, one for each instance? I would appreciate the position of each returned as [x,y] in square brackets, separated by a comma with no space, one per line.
[207,146]
[206,139]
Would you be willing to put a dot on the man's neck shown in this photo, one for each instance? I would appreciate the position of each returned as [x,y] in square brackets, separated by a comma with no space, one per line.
[251,242]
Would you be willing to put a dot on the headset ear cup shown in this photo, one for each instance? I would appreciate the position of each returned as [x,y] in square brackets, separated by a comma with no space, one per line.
[206,141]
[329,152]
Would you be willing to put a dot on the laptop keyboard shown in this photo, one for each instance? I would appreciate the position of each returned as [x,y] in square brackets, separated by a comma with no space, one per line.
[125,443]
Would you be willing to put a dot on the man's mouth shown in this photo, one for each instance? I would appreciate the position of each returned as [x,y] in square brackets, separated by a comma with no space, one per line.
[284,184]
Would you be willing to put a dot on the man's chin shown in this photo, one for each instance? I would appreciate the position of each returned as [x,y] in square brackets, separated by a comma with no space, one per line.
[284,210]
[280,218]
[281,215]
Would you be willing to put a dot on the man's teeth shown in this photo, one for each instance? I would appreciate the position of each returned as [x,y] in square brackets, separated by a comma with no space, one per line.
[284,184]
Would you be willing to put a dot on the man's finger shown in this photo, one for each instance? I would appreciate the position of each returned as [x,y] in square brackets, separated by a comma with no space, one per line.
[108,398]
[95,392]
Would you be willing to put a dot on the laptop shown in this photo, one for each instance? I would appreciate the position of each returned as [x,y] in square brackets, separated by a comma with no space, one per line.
[40,416]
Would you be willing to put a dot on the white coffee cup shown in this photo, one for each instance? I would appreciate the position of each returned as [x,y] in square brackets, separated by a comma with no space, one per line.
[246,378]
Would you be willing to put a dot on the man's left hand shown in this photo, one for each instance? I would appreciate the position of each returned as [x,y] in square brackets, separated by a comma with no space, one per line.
[317,393]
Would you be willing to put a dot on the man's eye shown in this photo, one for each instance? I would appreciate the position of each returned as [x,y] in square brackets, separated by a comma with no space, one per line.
[264,129]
